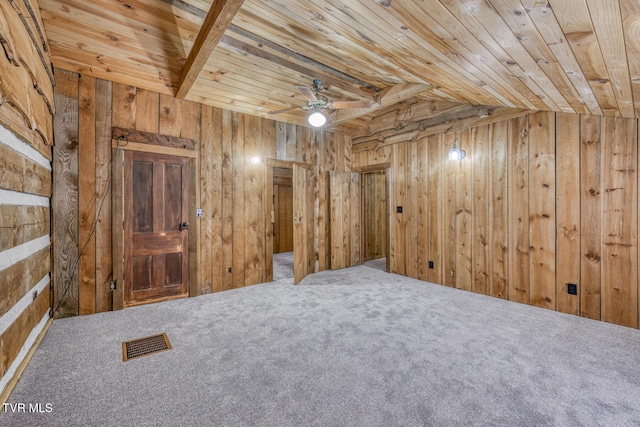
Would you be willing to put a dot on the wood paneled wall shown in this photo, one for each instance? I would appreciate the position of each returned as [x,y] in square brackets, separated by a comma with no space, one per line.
[540,201]
[26,97]
[232,238]
[345,217]
[325,151]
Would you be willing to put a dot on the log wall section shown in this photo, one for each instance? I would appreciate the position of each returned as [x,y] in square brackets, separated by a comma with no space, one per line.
[233,238]
[26,107]
[540,202]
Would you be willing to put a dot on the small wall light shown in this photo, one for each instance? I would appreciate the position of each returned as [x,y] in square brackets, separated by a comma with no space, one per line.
[456,153]
[255,160]
[317,119]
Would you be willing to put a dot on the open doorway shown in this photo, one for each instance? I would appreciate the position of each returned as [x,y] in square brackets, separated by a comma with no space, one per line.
[282,223]
[297,219]
[375,237]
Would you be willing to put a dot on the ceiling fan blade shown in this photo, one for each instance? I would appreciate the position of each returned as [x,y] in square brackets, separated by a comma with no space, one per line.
[337,105]
[286,110]
[307,92]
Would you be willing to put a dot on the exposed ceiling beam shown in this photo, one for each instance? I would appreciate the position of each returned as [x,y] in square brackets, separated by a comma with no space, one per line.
[466,116]
[215,24]
[393,95]
[399,115]
[329,76]
[328,79]
[324,69]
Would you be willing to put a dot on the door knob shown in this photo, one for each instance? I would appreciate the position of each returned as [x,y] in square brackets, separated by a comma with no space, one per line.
[184,226]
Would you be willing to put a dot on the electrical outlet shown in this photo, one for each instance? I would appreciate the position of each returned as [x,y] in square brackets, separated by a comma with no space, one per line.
[399,209]
[199,212]
[431,266]
[572,289]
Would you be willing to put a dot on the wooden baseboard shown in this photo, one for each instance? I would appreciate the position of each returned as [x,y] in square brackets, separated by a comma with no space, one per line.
[4,396]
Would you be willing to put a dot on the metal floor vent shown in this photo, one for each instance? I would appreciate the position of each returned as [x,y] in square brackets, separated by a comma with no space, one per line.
[145,346]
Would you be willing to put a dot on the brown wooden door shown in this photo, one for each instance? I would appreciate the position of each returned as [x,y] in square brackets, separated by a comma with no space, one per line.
[374,215]
[155,227]
[344,219]
[302,227]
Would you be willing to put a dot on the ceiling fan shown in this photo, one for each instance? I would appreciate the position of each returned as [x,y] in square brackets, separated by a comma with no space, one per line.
[318,103]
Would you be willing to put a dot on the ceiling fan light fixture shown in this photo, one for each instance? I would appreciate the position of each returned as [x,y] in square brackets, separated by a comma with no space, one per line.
[317,119]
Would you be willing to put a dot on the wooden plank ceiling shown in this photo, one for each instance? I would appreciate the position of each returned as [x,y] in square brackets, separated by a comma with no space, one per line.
[414,60]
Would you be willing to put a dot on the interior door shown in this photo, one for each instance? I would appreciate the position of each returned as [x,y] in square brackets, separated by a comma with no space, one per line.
[374,215]
[344,219]
[155,227]
[301,226]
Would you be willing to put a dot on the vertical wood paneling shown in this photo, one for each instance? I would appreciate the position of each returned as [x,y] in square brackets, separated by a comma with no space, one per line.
[253,203]
[322,213]
[300,231]
[103,195]
[518,222]
[312,136]
[411,245]
[345,217]
[498,215]
[542,198]
[311,198]
[170,122]
[230,190]
[123,115]
[239,161]
[620,222]
[336,208]
[553,195]
[117,233]
[422,236]
[436,196]
[355,218]
[348,162]
[65,195]
[374,215]
[450,173]
[211,201]
[191,128]
[278,218]
[86,195]
[281,141]
[399,190]
[480,209]
[269,151]
[338,160]
[590,216]
[228,123]
[463,214]
[382,215]
[567,211]
[344,239]
[291,143]
[147,108]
